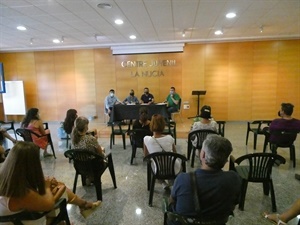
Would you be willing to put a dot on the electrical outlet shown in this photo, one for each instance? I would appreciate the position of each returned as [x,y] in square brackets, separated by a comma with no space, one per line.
[186,106]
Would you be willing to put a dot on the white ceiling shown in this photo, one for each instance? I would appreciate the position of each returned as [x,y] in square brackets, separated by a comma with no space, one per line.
[152,21]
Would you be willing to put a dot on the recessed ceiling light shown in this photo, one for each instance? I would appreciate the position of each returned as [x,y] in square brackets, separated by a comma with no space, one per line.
[56,41]
[132,37]
[218,32]
[230,15]
[119,21]
[21,28]
[104,6]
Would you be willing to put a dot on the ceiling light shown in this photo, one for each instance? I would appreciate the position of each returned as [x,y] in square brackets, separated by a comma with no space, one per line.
[21,28]
[56,41]
[31,41]
[230,15]
[104,6]
[183,33]
[119,21]
[132,37]
[62,39]
[218,32]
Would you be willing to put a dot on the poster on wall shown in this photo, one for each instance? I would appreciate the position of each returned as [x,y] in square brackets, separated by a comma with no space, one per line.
[14,98]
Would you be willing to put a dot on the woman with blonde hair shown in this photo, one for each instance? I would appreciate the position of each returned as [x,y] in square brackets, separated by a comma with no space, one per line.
[24,187]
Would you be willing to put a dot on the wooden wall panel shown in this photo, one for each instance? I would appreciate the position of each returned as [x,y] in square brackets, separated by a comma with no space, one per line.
[244,81]
[264,83]
[85,82]
[240,81]
[46,85]
[65,83]
[193,76]
[216,80]
[104,63]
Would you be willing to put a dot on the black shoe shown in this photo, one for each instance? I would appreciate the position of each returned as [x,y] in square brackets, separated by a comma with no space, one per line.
[297,176]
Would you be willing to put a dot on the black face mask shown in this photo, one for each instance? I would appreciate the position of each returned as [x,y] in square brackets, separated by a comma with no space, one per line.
[131,93]
[279,114]
[146,92]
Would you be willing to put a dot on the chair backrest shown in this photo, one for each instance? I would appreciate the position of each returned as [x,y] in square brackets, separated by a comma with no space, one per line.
[257,124]
[260,165]
[165,164]
[284,138]
[200,135]
[137,136]
[25,134]
[221,127]
[179,104]
[85,162]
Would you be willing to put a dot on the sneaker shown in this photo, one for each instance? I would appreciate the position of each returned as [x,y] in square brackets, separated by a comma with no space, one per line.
[297,176]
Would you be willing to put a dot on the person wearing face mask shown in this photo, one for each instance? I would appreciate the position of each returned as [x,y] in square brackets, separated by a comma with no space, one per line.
[172,101]
[147,98]
[110,101]
[131,99]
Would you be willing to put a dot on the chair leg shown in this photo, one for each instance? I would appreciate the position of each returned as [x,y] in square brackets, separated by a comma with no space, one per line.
[255,140]
[51,145]
[243,194]
[133,153]
[112,170]
[151,191]
[293,155]
[124,143]
[274,208]
[266,188]
[111,140]
[247,136]
[75,183]
[98,187]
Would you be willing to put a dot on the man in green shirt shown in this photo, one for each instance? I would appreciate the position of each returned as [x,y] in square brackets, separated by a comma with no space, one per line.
[173,100]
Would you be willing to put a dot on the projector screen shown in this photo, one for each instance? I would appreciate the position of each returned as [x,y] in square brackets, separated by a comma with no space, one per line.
[14,99]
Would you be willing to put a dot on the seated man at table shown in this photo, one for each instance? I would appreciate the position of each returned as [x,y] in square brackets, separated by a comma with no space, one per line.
[131,99]
[172,101]
[147,98]
[218,190]
[110,101]
[286,122]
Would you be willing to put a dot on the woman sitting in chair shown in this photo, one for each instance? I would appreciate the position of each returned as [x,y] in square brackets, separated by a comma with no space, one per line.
[68,124]
[33,122]
[24,187]
[206,122]
[82,140]
[159,142]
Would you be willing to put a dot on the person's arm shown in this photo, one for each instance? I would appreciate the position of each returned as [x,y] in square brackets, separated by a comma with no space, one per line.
[41,127]
[173,148]
[146,152]
[33,201]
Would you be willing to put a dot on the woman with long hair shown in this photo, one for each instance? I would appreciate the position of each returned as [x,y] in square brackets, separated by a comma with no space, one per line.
[68,124]
[33,122]
[24,187]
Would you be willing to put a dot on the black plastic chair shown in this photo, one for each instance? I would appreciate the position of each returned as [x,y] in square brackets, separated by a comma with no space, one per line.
[256,128]
[221,127]
[188,220]
[171,129]
[116,129]
[26,134]
[137,140]
[200,135]
[17,218]
[258,170]
[288,137]
[88,163]
[8,125]
[165,168]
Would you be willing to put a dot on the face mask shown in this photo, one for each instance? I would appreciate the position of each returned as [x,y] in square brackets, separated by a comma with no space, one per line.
[146,92]
[131,93]
[279,114]
[111,94]
[171,92]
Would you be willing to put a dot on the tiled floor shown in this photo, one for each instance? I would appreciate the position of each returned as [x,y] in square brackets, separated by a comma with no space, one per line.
[127,205]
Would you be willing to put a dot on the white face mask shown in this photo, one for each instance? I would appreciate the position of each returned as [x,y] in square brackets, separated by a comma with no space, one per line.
[171,92]
[111,94]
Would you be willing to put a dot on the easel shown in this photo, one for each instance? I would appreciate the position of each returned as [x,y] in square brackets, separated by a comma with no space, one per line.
[198,93]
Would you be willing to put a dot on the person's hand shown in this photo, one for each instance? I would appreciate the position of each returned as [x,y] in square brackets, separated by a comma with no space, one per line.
[48,181]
